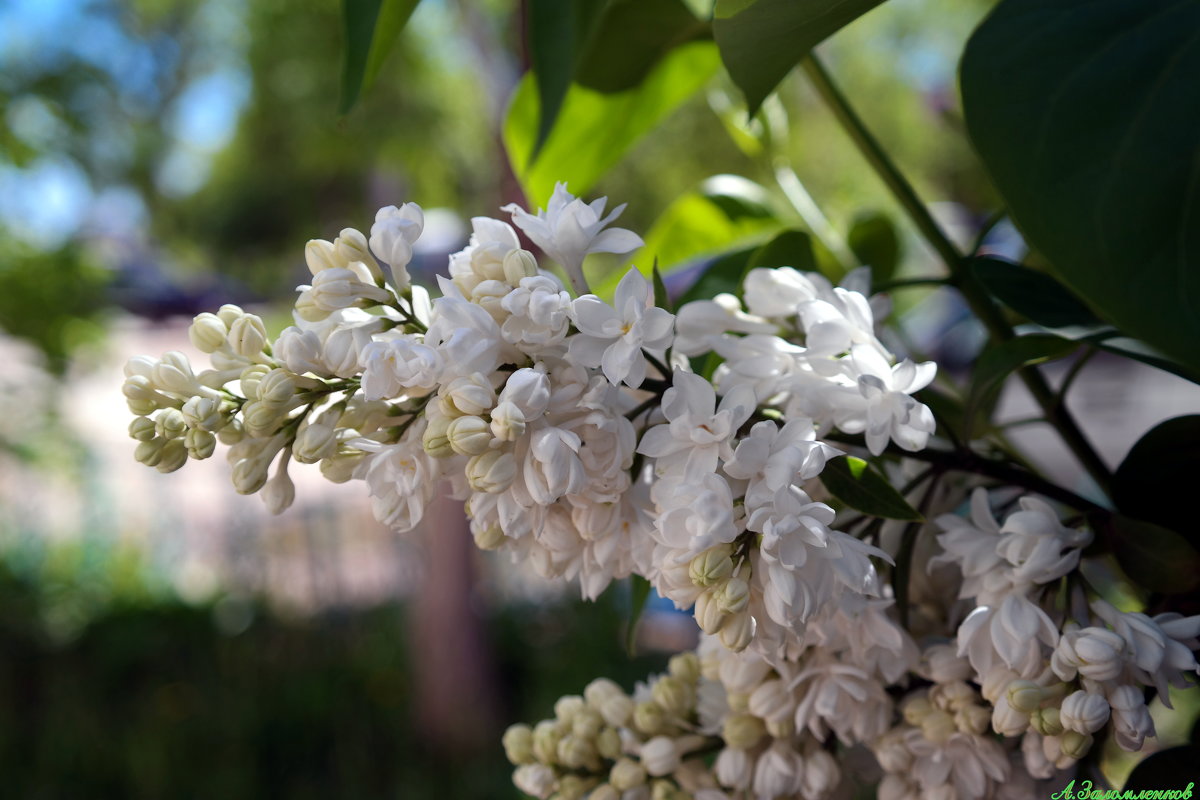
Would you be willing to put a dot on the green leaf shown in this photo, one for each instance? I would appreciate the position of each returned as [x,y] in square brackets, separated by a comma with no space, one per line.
[1156,479]
[853,481]
[791,248]
[639,592]
[998,362]
[1140,351]
[761,41]
[661,298]
[876,243]
[642,32]
[1154,557]
[593,130]
[371,27]
[558,32]
[1166,770]
[1035,295]
[724,274]
[1086,115]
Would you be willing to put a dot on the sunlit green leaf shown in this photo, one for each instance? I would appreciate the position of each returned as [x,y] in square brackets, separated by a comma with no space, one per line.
[1087,117]
[559,31]
[761,41]
[642,32]
[594,130]
[853,482]
[371,27]
[1156,479]
[789,249]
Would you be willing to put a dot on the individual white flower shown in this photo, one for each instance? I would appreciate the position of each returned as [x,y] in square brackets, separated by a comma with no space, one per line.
[538,314]
[569,229]
[465,335]
[551,465]
[734,768]
[392,238]
[771,457]
[698,432]
[778,771]
[1013,633]
[696,514]
[779,292]
[1093,652]
[483,258]
[1131,718]
[884,408]
[697,323]
[613,337]
[400,364]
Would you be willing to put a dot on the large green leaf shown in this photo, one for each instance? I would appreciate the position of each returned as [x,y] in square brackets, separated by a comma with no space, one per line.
[1087,116]
[1156,480]
[559,31]
[856,484]
[642,32]
[1154,557]
[370,30]
[761,41]
[876,243]
[1032,294]
[998,362]
[1167,771]
[593,130]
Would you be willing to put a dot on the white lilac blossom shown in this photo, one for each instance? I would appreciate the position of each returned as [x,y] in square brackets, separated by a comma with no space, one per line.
[595,440]
[569,229]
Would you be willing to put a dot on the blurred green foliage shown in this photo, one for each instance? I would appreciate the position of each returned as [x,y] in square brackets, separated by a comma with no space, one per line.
[144,696]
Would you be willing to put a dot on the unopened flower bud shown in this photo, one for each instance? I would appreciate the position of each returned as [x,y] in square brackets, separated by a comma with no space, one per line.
[685,666]
[738,631]
[675,696]
[660,756]
[566,707]
[1075,744]
[1084,712]
[208,332]
[733,595]
[276,387]
[351,245]
[781,728]
[915,709]
[587,723]
[772,700]
[742,731]
[320,255]
[200,443]
[229,314]
[434,438]
[572,787]
[711,566]
[169,424]
[648,717]
[627,774]
[203,413]
[575,751]
[250,378]
[604,791]
[249,475]
[536,780]
[518,744]
[708,614]
[248,336]
[314,442]
[938,726]
[149,452]
[470,395]
[596,692]
[608,743]
[519,264]
[279,492]
[1024,696]
[508,423]
[952,695]
[140,395]
[1047,721]
[142,429]
[232,432]
[488,537]
[469,436]
[174,455]
[492,472]
[666,790]
[1008,721]
[972,719]
[546,736]
[261,419]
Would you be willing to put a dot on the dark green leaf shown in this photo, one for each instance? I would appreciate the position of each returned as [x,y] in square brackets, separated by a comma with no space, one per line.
[1087,117]
[949,412]
[1156,480]
[370,29]
[853,481]
[724,274]
[875,242]
[761,41]
[559,31]
[639,591]
[642,32]
[594,130]
[998,362]
[1154,557]
[1140,351]
[661,298]
[788,249]
[1175,768]
[1033,294]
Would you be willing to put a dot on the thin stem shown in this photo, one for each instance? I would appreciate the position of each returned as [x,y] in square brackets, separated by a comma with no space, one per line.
[1061,398]
[904,556]
[975,295]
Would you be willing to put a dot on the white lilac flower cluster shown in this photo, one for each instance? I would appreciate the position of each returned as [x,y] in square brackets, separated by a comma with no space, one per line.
[595,440]
[573,428]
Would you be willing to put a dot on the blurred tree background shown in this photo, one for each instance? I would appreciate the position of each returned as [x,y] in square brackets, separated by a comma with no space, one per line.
[160,157]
